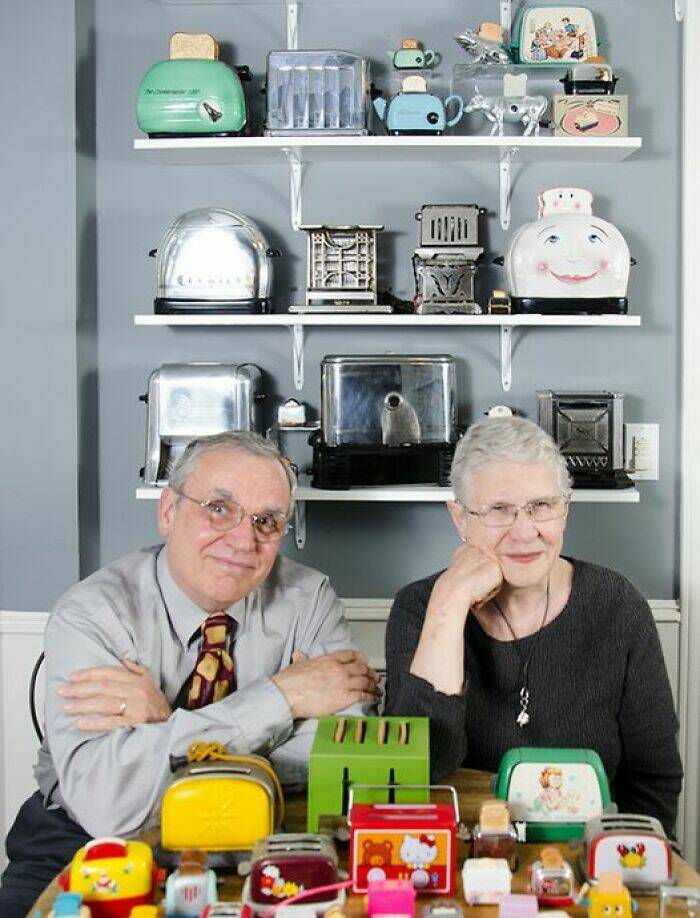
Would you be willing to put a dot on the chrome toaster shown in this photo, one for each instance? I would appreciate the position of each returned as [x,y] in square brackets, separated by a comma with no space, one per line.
[189,400]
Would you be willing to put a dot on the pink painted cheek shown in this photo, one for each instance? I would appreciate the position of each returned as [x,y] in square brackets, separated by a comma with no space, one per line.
[604,264]
[542,267]
[577,206]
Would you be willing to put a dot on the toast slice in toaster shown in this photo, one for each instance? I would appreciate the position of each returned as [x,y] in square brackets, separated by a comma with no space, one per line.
[201,46]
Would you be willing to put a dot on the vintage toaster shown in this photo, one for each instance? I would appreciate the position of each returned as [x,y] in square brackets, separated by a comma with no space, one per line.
[287,864]
[414,841]
[317,92]
[189,400]
[220,807]
[366,750]
[385,419]
[553,791]
[588,428]
[191,887]
[495,835]
[551,879]
[633,845]
[444,265]
[568,261]
[112,875]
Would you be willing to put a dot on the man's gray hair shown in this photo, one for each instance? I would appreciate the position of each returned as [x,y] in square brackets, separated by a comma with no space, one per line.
[509,439]
[236,441]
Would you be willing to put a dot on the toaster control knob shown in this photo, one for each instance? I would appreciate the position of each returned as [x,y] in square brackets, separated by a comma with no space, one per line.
[144,399]
[433,118]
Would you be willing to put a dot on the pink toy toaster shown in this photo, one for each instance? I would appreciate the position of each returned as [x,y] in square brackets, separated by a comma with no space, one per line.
[391,897]
[632,845]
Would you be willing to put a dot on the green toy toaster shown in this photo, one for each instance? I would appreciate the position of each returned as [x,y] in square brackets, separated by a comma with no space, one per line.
[553,791]
[192,97]
[367,750]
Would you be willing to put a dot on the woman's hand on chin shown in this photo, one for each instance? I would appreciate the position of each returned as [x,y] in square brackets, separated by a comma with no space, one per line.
[473,577]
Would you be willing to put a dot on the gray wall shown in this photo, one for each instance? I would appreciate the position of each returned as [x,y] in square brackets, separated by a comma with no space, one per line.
[126,203]
[38,453]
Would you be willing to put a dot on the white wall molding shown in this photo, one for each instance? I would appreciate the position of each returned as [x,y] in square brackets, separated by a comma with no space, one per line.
[22,622]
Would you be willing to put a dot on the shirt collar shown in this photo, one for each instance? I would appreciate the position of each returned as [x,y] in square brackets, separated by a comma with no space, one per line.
[186,617]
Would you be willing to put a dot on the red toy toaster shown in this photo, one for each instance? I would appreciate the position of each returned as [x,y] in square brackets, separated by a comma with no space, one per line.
[406,841]
[287,864]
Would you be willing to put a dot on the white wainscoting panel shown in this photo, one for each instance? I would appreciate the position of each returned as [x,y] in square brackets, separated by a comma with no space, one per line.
[21,642]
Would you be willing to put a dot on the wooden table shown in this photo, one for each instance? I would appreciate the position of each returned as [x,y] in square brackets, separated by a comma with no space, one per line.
[473,788]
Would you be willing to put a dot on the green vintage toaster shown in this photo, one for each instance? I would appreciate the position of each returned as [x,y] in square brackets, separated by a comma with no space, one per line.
[192,97]
[553,791]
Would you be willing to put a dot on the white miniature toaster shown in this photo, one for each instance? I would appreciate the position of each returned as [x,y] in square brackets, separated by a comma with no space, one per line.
[485,880]
[632,845]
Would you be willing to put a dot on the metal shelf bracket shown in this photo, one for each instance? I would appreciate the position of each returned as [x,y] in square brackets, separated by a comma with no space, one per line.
[294,186]
[292,25]
[506,357]
[300,523]
[506,18]
[297,333]
[679,8]
[505,184]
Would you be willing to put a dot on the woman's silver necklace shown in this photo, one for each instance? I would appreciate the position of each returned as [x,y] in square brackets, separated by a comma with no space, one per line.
[523,717]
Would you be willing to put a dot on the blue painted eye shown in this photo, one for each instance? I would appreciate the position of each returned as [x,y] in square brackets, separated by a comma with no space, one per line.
[551,240]
[594,237]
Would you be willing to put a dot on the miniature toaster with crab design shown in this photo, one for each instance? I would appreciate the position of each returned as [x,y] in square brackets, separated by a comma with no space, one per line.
[633,845]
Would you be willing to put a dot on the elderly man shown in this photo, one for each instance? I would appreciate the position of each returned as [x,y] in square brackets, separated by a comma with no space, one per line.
[213,637]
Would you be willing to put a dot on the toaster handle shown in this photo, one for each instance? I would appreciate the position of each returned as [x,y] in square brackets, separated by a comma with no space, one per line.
[633,261]
[273,253]
[400,787]
[498,260]
[243,71]
[152,253]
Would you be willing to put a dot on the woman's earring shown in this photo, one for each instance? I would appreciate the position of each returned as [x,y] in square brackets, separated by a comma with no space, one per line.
[463,538]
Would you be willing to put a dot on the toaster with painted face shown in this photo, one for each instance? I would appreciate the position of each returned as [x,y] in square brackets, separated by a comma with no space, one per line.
[630,844]
[568,261]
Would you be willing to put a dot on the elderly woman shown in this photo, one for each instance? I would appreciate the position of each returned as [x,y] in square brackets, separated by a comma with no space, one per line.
[516,645]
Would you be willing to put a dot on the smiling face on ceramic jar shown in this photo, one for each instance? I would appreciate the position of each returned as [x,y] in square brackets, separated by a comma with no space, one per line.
[526,550]
[569,255]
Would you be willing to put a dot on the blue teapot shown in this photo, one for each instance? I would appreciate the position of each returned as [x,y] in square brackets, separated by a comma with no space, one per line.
[417,113]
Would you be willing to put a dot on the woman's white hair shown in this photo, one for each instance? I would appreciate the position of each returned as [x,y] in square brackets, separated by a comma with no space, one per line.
[497,439]
[236,441]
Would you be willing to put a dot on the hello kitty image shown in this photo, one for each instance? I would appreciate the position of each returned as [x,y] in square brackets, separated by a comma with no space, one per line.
[568,253]
[418,852]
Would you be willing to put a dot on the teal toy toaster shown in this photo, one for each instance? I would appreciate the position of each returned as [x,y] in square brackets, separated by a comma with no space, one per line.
[553,791]
[192,97]
[367,750]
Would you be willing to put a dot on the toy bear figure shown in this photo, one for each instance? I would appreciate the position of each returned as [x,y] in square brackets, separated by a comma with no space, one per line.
[377,854]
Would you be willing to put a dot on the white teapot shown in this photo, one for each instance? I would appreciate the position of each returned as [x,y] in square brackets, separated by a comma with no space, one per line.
[568,260]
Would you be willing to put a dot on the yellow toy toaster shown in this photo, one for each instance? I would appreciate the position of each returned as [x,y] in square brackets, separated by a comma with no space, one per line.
[112,875]
[219,802]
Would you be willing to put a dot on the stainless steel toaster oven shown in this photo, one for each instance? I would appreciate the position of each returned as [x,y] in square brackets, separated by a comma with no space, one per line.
[189,400]
[385,419]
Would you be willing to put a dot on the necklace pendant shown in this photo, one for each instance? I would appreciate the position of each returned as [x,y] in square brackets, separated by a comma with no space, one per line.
[523,718]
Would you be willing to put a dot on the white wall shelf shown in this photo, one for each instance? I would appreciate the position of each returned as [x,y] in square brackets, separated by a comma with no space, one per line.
[414,494]
[296,152]
[296,324]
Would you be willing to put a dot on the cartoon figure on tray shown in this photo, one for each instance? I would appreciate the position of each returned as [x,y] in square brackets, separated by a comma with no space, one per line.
[554,798]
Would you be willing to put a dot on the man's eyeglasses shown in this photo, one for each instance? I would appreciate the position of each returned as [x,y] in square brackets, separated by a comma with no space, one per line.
[227,514]
[542,510]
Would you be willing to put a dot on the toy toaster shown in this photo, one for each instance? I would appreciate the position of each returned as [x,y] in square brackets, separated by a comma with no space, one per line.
[414,841]
[383,751]
[112,875]
[610,897]
[485,880]
[633,845]
[495,835]
[220,805]
[553,791]
[551,879]
[191,887]
[288,864]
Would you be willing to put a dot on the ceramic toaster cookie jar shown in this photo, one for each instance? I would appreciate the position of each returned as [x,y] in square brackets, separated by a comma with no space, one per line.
[568,261]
